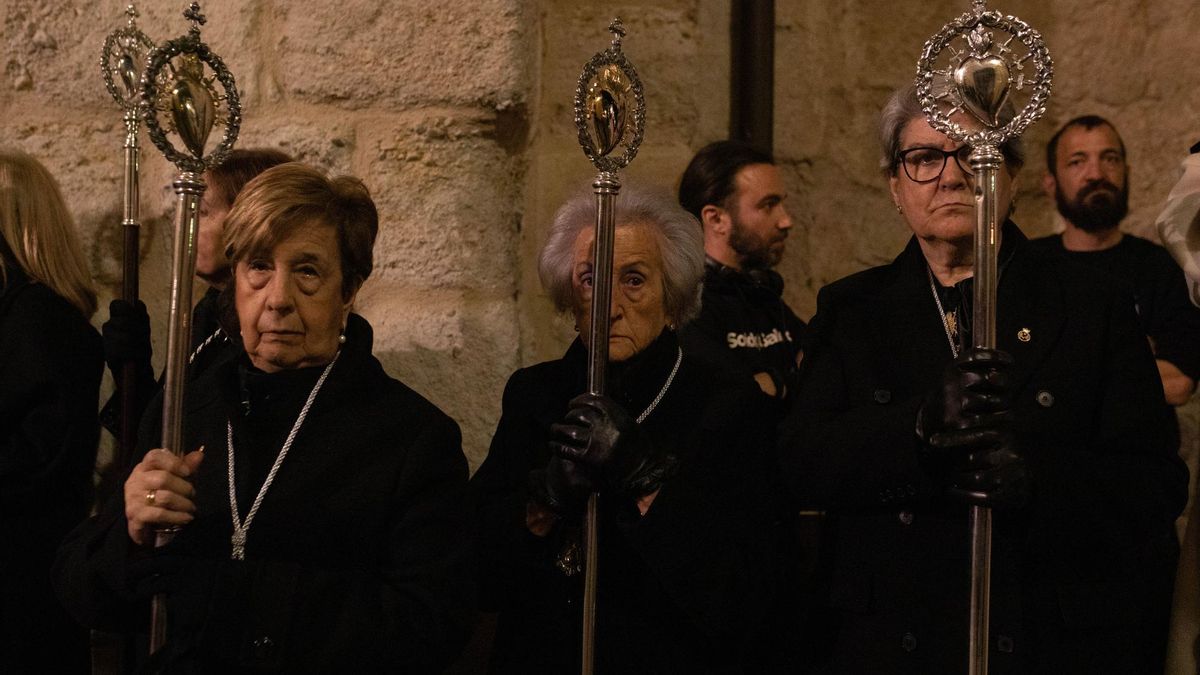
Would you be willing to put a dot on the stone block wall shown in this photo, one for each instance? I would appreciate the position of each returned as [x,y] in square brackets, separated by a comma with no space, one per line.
[458,117]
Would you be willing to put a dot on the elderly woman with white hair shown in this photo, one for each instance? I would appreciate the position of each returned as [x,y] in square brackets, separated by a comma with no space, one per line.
[674,449]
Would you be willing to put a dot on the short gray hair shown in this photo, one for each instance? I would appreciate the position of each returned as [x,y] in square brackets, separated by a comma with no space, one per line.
[679,236]
[903,107]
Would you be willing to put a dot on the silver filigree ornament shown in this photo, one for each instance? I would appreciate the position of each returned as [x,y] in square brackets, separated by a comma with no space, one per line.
[981,74]
[190,100]
[121,61]
[603,109]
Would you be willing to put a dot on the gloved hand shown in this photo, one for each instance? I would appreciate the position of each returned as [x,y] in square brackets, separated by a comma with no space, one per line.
[993,474]
[563,486]
[974,392]
[597,433]
[965,428]
[127,335]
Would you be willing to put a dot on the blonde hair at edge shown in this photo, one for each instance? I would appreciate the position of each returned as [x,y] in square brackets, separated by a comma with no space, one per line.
[40,232]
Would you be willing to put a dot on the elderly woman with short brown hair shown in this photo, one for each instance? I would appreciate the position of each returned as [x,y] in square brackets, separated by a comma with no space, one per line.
[676,451]
[900,425]
[327,533]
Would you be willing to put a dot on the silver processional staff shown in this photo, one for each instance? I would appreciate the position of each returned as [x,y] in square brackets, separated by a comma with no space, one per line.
[966,78]
[121,62]
[603,110]
[176,86]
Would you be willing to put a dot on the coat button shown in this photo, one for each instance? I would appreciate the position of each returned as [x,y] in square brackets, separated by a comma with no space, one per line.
[906,517]
[909,642]
[1004,643]
[1045,398]
[883,396]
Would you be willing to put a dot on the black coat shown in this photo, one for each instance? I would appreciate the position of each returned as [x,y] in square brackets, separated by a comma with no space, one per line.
[50,367]
[358,559]
[680,589]
[1081,579]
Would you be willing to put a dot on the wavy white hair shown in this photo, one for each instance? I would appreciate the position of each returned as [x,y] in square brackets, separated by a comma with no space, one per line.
[679,235]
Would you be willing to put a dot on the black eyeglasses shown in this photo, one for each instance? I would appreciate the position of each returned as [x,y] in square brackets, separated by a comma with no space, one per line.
[925,165]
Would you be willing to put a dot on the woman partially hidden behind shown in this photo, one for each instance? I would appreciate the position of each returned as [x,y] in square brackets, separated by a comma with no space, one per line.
[676,451]
[50,367]
[321,503]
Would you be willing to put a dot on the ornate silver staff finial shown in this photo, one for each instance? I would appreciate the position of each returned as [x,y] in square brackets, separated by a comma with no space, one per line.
[602,106]
[121,60]
[190,99]
[981,74]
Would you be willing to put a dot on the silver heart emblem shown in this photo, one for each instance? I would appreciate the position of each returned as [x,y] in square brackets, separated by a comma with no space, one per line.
[608,105]
[983,85]
[193,112]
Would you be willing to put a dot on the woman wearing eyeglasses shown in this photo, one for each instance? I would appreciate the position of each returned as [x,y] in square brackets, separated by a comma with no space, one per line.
[900,425]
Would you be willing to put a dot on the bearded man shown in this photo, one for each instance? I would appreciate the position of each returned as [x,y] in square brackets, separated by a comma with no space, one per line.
[1088,177]
[736,193]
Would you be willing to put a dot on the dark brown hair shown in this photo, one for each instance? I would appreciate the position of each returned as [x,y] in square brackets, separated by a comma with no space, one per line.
[229,177]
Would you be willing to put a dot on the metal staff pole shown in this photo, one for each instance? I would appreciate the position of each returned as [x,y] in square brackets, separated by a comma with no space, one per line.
[967,98]
[602,110]
[121,60]
[194,106]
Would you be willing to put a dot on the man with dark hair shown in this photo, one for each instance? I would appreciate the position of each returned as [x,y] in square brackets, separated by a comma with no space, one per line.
[736,193]
[1088,177]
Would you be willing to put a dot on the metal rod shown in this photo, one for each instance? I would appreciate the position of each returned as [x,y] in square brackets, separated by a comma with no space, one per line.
[607,187]
[130,228]
[986,162]
[189,187]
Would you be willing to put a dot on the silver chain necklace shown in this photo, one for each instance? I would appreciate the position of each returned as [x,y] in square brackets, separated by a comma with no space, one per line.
[662,392]
[942,313]
[241,529]
[204,344]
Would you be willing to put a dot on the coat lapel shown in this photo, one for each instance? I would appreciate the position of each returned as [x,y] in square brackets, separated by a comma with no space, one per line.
[909,336]
[1030,309]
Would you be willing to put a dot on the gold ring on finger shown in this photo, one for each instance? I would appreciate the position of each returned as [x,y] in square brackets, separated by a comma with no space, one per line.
[150,495]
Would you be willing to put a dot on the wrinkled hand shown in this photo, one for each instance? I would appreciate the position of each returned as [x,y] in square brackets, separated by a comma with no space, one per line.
[159,493]
[965,428]
[127,335]
[600,435]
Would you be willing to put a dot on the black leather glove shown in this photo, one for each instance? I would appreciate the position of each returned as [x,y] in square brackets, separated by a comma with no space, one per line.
[127,335]
[965,428]
[598,434]
[975,391]
[991,473]
[563,486]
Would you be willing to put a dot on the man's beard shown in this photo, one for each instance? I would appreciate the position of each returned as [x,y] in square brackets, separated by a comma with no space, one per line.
[753,252]
[1097,215]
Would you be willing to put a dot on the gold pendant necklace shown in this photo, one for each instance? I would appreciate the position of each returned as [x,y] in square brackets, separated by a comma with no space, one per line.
[949,319]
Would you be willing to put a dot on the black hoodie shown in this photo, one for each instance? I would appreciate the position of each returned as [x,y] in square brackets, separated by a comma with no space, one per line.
[744,325]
